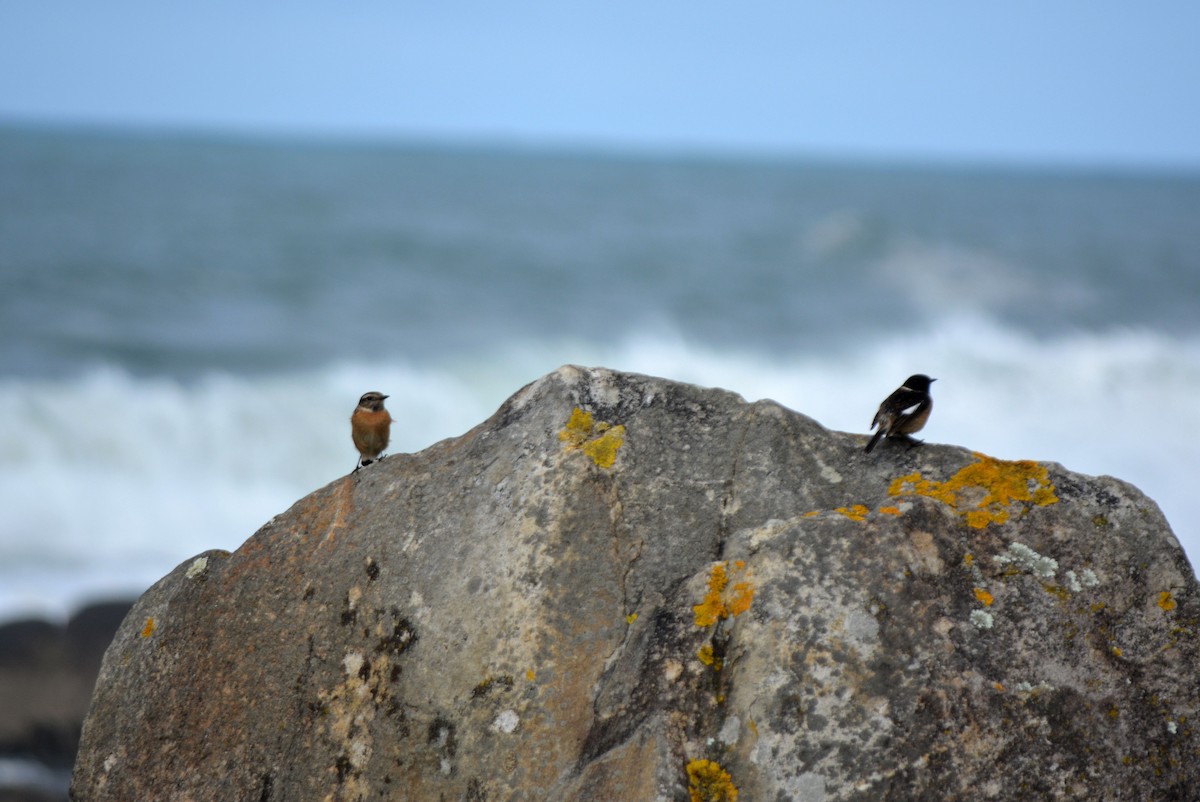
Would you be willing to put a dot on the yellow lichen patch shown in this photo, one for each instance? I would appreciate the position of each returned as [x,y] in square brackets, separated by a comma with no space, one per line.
[603,450]
[911,484]
[709,611]
[889,510]
[1165,601]
[739,602]
[629,619]
[722,599]
[149,628]
[1002,483]
[708,782]
[856,512]
[811,514]
[705,655]
[529,675]
[983,597]
[599,441]
[578,428]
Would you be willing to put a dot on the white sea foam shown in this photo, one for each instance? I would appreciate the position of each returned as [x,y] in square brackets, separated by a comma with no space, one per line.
[109,481]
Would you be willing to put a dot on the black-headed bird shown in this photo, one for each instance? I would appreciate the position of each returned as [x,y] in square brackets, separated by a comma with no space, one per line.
[904,411]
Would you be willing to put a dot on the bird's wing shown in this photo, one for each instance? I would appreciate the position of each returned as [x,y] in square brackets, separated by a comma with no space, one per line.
[880,417]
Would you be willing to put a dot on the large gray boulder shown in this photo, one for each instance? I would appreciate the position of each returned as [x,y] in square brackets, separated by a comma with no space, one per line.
[625,588]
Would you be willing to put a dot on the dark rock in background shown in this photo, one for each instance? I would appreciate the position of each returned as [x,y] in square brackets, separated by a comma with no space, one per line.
[47,673]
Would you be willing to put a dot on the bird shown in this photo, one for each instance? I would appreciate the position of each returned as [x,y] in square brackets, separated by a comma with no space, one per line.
[904,411]
[370,427]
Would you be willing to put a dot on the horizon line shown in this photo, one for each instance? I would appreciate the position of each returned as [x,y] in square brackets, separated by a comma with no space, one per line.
[598,146]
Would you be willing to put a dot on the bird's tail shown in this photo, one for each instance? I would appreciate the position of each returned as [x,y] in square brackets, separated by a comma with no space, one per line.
[874,440]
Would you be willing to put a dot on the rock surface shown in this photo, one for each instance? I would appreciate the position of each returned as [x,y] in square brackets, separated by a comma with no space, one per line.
[625,588]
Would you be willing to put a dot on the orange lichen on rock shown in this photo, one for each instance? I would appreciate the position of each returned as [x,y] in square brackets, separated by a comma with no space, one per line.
[149,628]
[1166,601]
[599,441]
[983,597]
[723,600]
[708,782]
[855,512]
[983,491]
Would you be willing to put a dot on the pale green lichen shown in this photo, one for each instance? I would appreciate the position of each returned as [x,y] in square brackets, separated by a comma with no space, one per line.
[971,567]
[197,568]
[506,722]
[1023,557]
[1031,689]
[981,619]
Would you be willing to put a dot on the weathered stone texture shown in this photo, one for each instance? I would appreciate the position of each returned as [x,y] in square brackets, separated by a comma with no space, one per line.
[617,577]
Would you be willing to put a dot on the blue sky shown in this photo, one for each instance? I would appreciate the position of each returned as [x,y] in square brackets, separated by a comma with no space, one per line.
[1075,81]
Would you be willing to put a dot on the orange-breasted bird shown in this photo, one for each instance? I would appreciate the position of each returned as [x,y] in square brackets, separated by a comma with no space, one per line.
[370,427]
[904,411]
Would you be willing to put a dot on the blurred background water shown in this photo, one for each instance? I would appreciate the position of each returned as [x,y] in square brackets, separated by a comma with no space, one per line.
[187,321]
[219,226]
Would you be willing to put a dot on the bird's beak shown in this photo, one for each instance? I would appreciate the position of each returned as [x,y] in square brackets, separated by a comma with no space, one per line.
[386,397]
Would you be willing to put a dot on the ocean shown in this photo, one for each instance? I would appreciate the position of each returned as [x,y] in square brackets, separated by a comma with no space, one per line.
[187,320]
